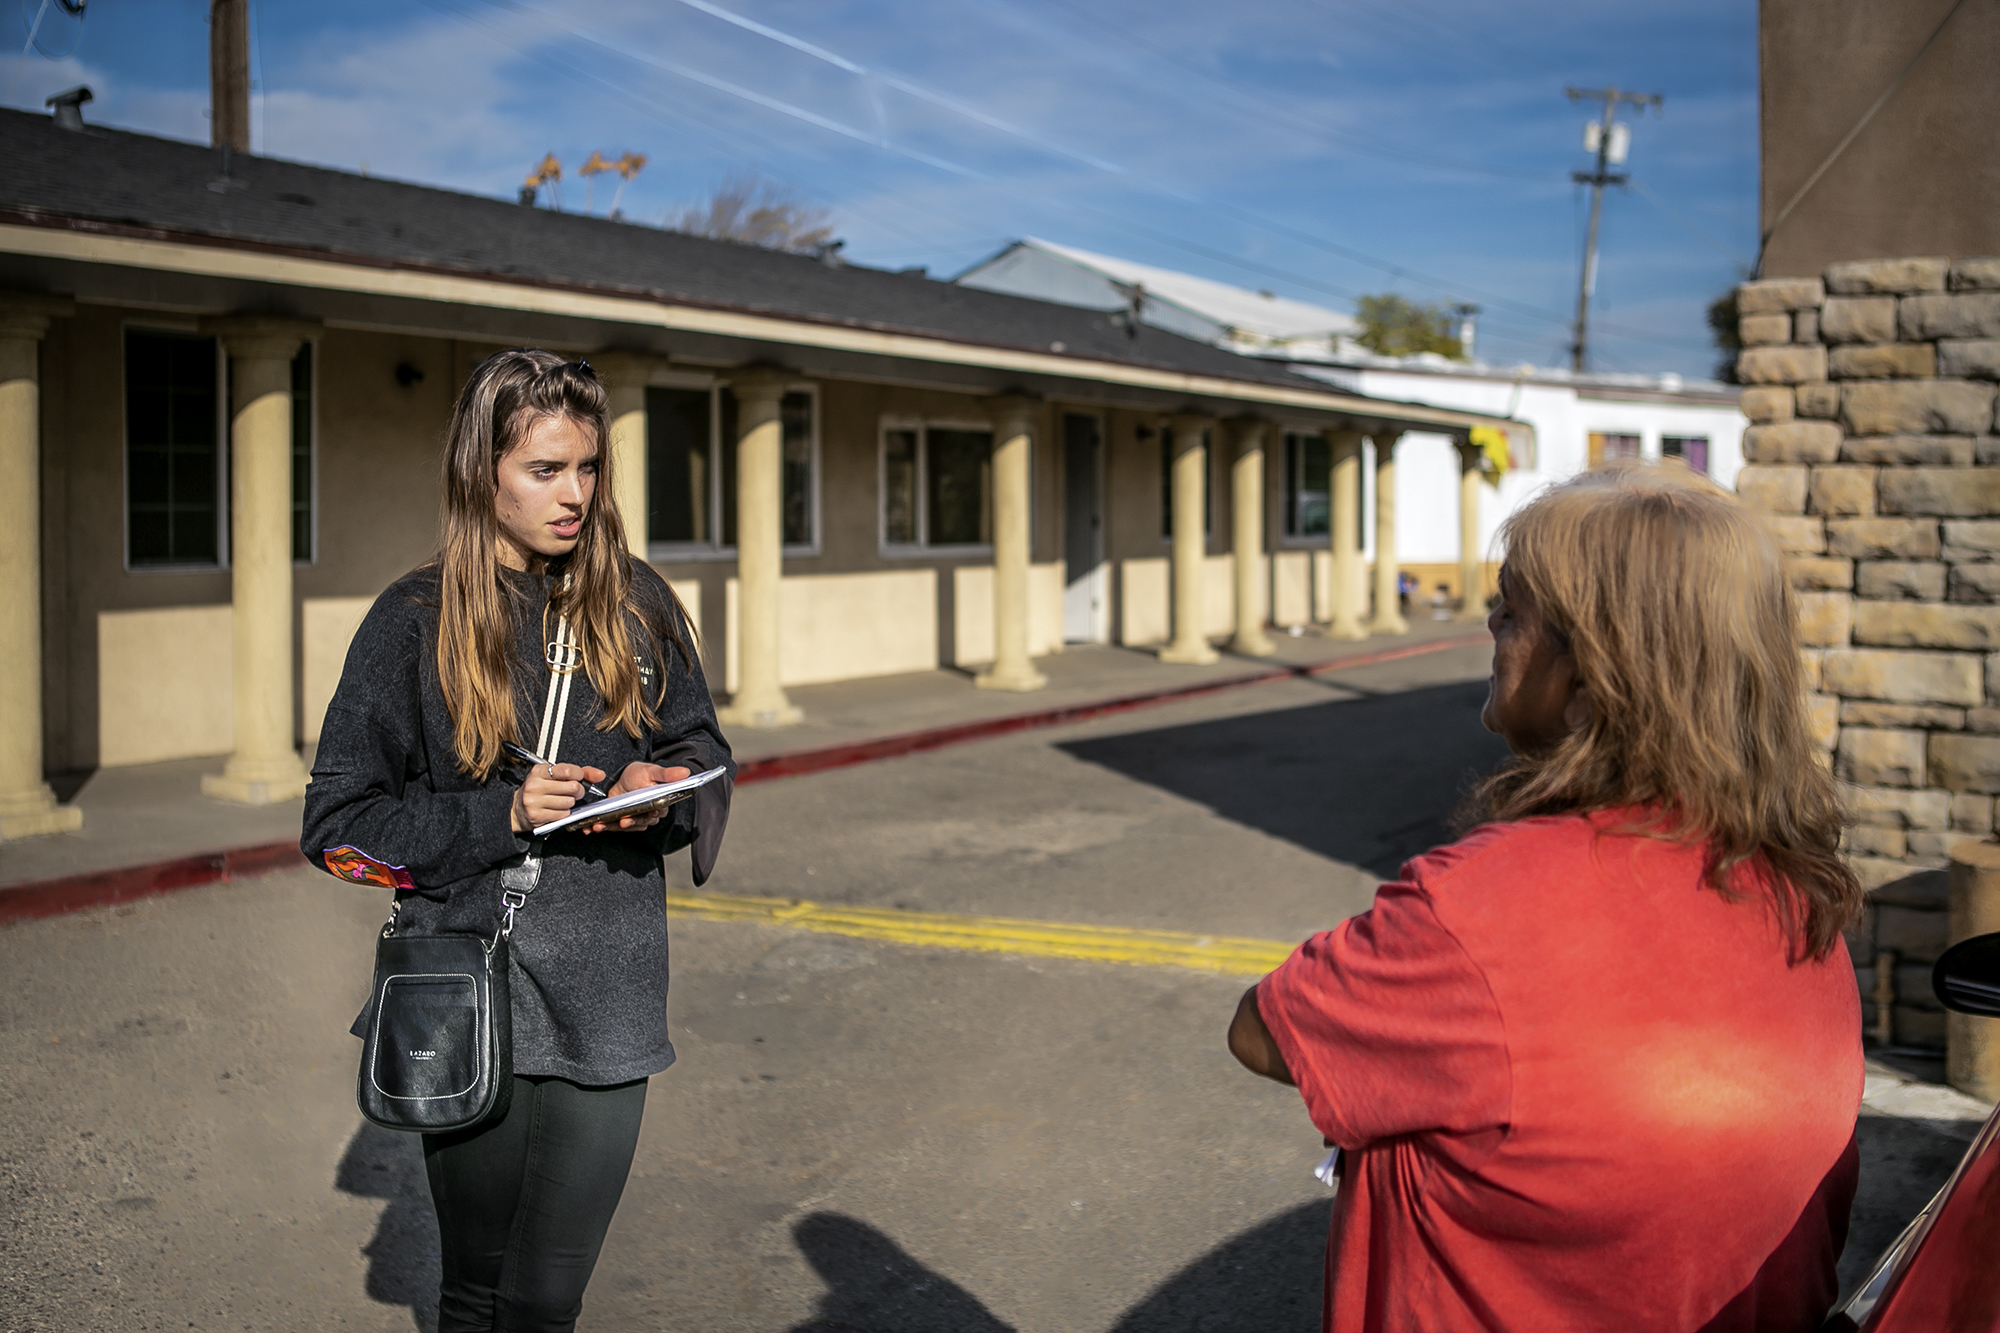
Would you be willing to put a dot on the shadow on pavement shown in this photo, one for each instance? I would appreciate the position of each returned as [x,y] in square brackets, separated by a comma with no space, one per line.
[1903,1163]
[1369,782]
[874,1286]
[1264,1280]
[403,1266]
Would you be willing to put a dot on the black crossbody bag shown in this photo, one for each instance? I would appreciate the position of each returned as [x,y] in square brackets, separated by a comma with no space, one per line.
[437,1051]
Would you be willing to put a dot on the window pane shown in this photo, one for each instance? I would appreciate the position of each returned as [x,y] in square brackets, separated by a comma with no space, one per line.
[677,465]
[302,441]
[795,410]
[1312,503]
[1690,449]
[899,487]
[170,449]
[959,464]
[1608,448]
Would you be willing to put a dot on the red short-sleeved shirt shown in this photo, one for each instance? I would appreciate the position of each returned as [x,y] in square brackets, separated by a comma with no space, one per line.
[1575,1088]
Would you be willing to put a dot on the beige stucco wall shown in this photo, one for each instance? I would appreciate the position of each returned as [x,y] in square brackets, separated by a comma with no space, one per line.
[845,626]
[376,466]
[1923,177]
[1292,588]
[850,610]
[972,612]
[164,679]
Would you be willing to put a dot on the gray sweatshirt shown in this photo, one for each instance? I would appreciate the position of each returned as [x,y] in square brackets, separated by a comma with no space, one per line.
[589,951]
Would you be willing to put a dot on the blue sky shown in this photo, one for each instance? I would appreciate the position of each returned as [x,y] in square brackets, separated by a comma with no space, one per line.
[1319,148]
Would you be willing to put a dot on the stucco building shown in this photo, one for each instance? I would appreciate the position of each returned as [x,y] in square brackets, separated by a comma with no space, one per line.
[1575,421]
[232,375]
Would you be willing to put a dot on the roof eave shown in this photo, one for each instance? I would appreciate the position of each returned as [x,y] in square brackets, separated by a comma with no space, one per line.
[58,236]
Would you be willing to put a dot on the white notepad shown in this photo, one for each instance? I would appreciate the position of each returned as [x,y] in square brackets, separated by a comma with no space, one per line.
[643,801]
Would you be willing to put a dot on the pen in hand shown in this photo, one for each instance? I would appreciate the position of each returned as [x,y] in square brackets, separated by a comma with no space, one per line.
[527,756]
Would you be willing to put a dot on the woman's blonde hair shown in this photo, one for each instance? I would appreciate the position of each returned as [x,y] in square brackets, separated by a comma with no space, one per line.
[1675,607]
[501,400]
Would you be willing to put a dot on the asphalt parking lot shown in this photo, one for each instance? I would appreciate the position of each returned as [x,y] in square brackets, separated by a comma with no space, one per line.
[858,1135]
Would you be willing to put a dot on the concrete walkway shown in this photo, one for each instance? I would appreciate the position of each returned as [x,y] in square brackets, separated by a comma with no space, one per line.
[154,815]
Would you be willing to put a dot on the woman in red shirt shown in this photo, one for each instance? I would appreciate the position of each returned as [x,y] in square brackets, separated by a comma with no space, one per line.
[1597,1064]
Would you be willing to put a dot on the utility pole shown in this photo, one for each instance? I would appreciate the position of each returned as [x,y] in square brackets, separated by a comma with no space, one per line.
[1608,139]
[229,75]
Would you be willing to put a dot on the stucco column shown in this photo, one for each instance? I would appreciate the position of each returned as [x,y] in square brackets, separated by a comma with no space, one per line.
[1471,567]
[625,375]
[1013,441]
[1190,464]
[1246,496]
[264,767]
[759,700]
[27,806]
[1388,618]
[1344,532]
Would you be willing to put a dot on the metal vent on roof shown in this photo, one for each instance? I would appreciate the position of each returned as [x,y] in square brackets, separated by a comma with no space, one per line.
[68,106]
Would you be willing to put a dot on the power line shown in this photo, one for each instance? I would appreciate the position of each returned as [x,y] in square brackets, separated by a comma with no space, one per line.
[847,64]
[881,142]
[1393,153]
[1764,241]
[1695,228]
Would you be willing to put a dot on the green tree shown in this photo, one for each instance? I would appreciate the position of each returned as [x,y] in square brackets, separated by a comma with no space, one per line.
[1391,325]
[1722,321]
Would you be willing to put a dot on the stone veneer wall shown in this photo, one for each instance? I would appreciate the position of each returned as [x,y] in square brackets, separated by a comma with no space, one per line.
[1875,451]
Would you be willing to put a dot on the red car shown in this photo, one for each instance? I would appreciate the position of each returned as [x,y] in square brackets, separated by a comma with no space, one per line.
[1943,1273]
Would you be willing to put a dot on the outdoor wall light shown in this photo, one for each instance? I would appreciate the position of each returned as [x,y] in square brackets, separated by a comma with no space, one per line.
[407,374]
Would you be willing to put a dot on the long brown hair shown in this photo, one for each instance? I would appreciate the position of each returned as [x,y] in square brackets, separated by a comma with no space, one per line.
[1674,604]
[505,395]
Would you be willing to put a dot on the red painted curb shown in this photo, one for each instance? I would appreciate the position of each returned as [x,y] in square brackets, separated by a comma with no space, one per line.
[802,762]
[52,897]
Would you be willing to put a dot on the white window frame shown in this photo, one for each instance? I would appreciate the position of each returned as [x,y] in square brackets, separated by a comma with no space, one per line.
[222,414]
[923,549]
[665,553]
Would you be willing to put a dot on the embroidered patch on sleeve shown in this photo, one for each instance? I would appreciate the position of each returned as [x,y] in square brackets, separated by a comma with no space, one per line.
[351,863]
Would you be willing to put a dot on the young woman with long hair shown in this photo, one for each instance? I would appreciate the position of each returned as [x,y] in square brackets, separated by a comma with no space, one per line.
[412,786]
[1597,1064]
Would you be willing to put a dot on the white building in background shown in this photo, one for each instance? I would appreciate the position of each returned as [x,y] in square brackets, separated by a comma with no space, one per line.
[1579,420]
[1252,323]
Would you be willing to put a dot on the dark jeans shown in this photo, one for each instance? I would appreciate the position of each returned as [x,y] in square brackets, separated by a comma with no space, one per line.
[523,1204]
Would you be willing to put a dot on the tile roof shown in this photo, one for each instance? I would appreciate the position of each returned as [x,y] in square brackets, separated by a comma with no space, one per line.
[116,180]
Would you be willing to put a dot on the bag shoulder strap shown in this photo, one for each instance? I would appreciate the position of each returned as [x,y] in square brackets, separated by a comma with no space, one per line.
[564,656]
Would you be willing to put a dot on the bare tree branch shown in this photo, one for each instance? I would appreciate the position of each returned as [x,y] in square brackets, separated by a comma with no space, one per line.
[754,211]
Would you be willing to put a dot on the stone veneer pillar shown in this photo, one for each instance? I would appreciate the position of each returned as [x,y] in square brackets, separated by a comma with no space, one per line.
[1013,442]
[624,375]
[1388,618]
[759,700]
[263,766]
[1344,532]
[1190,500]
[1246,494]
[28,807]
[1874,454]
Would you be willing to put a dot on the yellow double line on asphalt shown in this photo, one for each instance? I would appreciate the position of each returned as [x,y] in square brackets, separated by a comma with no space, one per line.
[1229,954]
